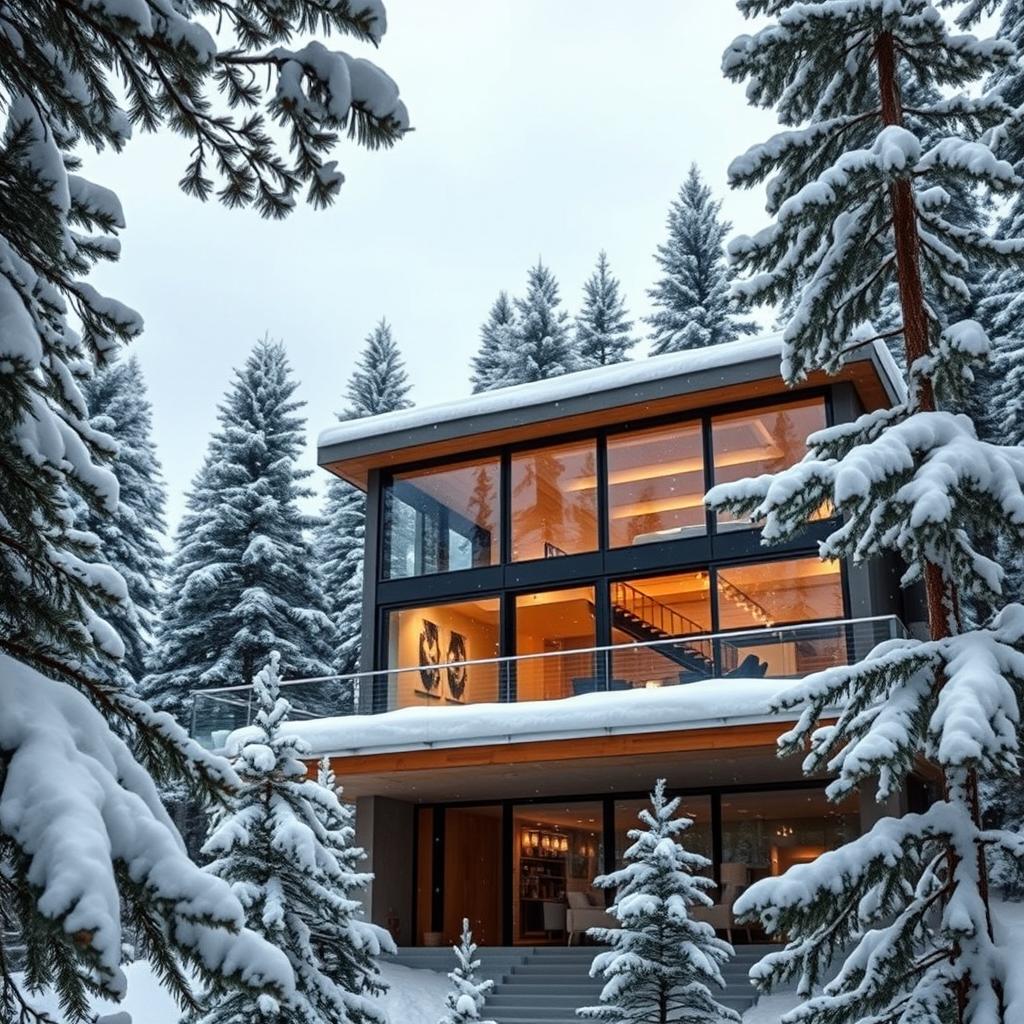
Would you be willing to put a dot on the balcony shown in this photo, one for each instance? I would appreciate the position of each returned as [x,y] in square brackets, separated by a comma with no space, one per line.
[787,652]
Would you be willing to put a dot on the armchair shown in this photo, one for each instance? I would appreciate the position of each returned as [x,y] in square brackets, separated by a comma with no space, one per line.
[583,914]
[734,879]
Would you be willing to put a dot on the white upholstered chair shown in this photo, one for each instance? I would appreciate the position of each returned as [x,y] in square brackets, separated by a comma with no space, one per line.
[734,879]
[584,913]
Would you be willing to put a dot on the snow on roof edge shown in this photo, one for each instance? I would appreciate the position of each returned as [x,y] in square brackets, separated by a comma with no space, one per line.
[702,704]
[582,382]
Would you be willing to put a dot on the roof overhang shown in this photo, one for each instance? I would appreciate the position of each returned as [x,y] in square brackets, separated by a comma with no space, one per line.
[612,395]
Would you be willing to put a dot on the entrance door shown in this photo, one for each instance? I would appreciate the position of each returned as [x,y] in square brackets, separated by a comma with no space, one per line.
[557,851]
[473,870]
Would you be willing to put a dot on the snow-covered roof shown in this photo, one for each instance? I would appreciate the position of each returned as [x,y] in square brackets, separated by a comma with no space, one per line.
[701,705]
[676,372]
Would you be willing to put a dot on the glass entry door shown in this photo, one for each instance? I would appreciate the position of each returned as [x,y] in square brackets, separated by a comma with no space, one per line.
[557,851]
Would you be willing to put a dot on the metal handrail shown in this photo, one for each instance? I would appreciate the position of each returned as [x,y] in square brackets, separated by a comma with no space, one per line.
[721,637]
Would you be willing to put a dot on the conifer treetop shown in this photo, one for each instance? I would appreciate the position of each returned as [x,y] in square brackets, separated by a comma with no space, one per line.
[379,382]
[602,329]
[494,361]
[692,303]
[465,1002]
[543,345]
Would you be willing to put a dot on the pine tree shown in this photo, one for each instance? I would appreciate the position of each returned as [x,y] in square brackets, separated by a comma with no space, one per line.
[693,307]
[379,384]
[243,581]
[602,330]
[131,538]
[898,919]
[277,847]
[492,363]
[661,962]
[77,77]
[542,344]
[465,1002]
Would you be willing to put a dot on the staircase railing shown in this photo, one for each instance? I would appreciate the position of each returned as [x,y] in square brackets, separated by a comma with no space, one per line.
[652,611]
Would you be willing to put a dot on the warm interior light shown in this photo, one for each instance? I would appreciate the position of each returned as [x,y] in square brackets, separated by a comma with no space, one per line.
[526,840]
[563,844]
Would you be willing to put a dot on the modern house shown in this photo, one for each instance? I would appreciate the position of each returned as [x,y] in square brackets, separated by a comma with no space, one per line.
[553,619]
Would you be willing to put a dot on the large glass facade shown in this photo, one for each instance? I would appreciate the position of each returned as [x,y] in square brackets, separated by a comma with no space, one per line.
[548,623]
[428,648]
[442,519]
[653,609]
[767,440]
[557,852]
[656,485]
[554,501]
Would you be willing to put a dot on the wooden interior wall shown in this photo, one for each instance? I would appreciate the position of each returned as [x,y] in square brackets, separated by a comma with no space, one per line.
[472,874]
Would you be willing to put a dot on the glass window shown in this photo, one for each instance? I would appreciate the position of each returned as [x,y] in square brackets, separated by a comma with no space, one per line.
[427,649]
[753,597]
[546,624]
[554,501]
[557,853]
[438,520]
[654,609]
[747,444]
[656,485]
[764,833]
[696,839]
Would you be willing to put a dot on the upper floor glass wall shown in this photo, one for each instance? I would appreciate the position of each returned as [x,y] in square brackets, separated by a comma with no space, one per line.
[441,519]
[554,501]
[654,478]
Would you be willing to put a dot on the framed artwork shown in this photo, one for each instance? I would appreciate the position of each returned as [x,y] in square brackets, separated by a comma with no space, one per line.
[430,654]
[457,671]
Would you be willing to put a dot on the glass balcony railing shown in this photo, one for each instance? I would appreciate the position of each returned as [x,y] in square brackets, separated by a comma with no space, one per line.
[784,652]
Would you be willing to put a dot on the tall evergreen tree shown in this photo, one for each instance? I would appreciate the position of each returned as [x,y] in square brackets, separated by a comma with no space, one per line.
[131,538]
[542,344]
[899,918]
[278,847]
[661,963]
[76,77]
[379,384]
[243,581]
[693,307]
[465,1002]
[602,329]
[491,365]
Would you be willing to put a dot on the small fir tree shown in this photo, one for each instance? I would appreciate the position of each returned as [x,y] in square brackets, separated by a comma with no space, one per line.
[379,384]
[278,847]
[692,304]
[131,538]
[244,581]
[898,919]
[465,1002]
[492,363]
[602,329]
[661,963]
[542,344]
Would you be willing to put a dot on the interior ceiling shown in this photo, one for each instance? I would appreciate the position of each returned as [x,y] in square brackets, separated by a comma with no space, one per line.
[583,776]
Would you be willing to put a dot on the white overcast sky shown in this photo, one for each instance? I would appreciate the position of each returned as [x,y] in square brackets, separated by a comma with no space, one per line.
[545,128]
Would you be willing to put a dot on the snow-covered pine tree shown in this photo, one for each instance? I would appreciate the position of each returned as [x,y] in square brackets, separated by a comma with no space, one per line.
[490,365]
[78,77]
[692,304]
[276,846]
[243,581]
[662,963]
[542,343]
[602,329]
[465,1002]
[898,919]
[131,538]
[379,384]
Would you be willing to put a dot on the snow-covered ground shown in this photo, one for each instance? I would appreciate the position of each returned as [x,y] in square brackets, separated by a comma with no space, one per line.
[417,997]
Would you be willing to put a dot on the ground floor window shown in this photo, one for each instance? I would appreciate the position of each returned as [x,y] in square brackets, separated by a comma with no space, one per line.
[523,872]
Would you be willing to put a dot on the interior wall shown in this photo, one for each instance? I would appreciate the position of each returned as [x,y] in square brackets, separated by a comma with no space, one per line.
[482,641]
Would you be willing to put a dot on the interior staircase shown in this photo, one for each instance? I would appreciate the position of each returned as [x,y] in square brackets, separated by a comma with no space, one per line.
[546,984]
[647,619]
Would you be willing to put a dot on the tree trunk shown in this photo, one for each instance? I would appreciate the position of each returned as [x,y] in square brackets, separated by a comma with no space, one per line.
[941,598]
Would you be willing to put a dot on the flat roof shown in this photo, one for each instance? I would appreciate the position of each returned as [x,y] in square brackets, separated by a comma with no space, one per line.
[644,387]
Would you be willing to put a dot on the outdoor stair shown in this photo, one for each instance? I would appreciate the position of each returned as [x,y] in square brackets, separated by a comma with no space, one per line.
[546,984]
